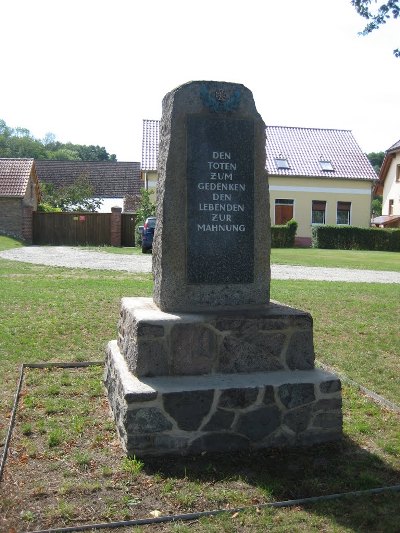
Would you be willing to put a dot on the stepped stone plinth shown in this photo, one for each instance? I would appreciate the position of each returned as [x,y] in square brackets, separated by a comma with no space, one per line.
[210,364]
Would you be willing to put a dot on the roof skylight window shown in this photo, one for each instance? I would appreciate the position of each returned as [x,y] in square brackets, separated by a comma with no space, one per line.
[281,162]
[326,165]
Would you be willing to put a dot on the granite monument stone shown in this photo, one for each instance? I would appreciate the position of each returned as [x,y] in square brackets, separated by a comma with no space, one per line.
[210,363]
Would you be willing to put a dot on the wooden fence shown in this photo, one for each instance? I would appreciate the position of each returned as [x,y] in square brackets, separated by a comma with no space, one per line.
[74,229]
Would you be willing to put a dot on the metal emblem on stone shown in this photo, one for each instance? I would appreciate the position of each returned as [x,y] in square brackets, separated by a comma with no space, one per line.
[219,101]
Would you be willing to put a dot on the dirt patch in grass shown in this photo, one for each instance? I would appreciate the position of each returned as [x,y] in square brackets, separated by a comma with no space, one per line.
[66,467]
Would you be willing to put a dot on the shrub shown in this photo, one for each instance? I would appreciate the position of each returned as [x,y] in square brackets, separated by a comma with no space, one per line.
[283,236]
[354,238]
[47,208]
[146,209]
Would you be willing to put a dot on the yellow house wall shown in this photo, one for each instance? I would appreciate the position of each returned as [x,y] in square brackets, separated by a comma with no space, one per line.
[304,190]
[391,189]
[150,182]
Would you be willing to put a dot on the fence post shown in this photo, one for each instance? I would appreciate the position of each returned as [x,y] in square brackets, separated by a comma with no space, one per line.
[116,226]
[27,223]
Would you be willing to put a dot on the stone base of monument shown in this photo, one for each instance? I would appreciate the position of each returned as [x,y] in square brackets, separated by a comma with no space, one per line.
[210,382]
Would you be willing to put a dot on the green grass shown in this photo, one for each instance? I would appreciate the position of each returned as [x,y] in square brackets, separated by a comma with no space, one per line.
[7,243]
[94,482]
[57,314]
[132,250]
[355,329]
[358,259]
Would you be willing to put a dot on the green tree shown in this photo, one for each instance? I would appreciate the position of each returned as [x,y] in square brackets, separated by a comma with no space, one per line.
[147,207]
[93,153]
[4,129]
[75,197]
[64,154]
[376,160]
[379,17]
[25,146]
[19,142]
[376,206]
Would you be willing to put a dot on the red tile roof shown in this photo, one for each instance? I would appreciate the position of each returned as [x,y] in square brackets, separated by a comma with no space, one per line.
[305,148]
[109,179]
[14,176]
[150,141]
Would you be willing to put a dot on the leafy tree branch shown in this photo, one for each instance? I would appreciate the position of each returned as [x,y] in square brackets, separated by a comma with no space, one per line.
[75,197]
[376,19]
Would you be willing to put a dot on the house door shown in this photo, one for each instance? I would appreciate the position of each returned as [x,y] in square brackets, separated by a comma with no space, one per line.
[283,211]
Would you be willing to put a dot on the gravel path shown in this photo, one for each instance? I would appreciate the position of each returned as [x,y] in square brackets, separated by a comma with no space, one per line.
[67,256]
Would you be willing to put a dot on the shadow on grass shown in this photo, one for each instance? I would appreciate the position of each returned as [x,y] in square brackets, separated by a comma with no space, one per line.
[302,473]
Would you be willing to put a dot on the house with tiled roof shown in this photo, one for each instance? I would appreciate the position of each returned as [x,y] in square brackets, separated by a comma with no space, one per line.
[316,176]
[113,182]
[150,141]
[19,196]
[389,187]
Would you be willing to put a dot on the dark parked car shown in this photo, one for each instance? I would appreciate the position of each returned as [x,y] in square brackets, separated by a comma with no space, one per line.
[148,234]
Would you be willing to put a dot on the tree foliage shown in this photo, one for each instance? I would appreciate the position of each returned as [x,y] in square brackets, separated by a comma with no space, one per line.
[146,207]
[378,17]
[75,197]
[376,160]
[376,206]
[19,142]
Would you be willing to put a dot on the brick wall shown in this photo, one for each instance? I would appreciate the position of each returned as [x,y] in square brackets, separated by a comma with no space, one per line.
[11,217]
[16,214]
[116,226]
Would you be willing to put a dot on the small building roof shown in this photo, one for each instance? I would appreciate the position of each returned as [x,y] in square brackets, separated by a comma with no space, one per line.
[150,141]
[14,176]
[109,179]
[386,220]
[315,152]
[394,148]
[389,155]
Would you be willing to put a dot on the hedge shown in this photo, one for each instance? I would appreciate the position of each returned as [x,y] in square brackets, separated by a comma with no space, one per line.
[353,238]
[283,236]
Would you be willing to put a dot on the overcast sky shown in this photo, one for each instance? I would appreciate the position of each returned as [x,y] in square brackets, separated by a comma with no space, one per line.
[90,71]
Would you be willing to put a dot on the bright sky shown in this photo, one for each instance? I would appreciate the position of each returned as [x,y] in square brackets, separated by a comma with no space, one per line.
[90,71]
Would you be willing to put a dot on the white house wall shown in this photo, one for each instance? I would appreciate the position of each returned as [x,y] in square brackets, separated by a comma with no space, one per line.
[391,188]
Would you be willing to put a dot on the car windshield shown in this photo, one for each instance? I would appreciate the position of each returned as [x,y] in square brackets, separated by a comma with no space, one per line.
[151,223]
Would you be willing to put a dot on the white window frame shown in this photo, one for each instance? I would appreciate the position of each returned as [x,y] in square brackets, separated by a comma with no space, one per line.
[325,212]
[349,212]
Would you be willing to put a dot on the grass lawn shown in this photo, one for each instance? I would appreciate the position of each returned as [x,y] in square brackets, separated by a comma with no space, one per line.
[7,243]
[354,328]
[65,465]
[358,259]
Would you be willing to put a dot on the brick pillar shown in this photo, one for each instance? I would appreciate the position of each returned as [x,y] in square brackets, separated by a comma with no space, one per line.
[27,223]
[116,226]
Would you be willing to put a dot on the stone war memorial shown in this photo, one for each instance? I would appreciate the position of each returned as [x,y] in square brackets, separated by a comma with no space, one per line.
[210,364]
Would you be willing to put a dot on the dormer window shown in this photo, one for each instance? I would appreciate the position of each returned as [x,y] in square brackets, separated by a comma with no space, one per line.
[281,162]
[326,165]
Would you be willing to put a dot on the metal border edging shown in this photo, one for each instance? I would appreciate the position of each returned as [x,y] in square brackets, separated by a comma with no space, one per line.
[189,516]
[17,393]
[12,420]
[201,514]
[371,394]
